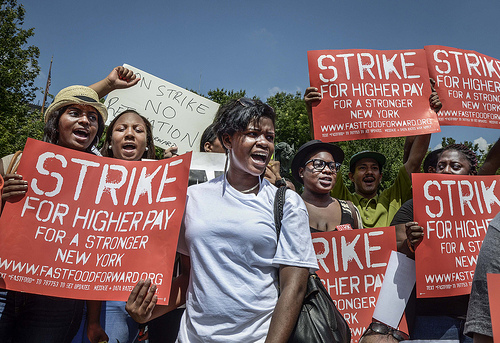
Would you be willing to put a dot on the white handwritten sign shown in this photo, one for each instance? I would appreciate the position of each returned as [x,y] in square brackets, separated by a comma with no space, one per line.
[178,116]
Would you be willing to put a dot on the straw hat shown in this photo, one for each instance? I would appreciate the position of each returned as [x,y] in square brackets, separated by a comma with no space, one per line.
[80,95]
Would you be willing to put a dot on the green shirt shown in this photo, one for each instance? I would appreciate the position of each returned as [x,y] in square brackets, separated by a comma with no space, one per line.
[379,210]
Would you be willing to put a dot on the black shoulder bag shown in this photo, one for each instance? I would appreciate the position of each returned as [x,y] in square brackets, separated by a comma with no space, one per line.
[319,320]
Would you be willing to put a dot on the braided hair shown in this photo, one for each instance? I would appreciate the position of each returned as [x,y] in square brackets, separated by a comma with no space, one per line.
[468,153]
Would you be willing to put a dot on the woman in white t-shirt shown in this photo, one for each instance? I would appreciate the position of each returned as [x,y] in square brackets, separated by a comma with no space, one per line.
[228,232]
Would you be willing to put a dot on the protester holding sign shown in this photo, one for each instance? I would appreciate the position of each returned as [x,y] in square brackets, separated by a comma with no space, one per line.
[74,120]
[447,314]
[315,166]
[228,232]
[129,137]
[377,210]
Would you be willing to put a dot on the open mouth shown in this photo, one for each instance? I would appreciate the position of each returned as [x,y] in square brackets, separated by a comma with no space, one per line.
[369,180]
[259,157]
[327,181]
[81,133]
[129,147]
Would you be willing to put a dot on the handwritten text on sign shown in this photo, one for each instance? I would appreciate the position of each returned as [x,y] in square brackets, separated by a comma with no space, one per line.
[177,115]
[370,94]
[455,212]
[352,266]
[90,227]
[468,84]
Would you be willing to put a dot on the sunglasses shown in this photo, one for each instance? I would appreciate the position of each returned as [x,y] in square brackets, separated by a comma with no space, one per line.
[383,329]
[319,165]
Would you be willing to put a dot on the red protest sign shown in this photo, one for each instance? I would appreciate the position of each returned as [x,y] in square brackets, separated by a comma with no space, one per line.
[371,94]
[352,266]
[494,298]
[468,84]
[455,212]
[90,227]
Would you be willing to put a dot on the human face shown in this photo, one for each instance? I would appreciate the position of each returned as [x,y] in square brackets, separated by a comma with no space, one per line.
[319,181]
[251,149]
[78,126]
[366,177]
[216,146]
[453,162]
[129,137]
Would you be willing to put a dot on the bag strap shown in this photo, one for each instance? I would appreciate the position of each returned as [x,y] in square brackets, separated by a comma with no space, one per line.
[279,203]
[14,163]
[355,215]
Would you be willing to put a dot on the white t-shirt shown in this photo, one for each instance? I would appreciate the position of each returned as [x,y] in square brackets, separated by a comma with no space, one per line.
[231,240]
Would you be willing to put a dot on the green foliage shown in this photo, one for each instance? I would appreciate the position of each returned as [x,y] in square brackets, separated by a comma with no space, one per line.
[292,124]
[222,96]
[18,70]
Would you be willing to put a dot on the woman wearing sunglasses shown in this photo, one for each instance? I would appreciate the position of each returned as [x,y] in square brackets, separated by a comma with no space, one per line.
[229,234]
[315,166]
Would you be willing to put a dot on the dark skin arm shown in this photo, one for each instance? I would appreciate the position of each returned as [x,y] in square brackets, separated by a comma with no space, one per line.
[411,232]
[293,285]
[95,332]
[120,77]
[312,97]
[492,161]
[141,303]
[478,338]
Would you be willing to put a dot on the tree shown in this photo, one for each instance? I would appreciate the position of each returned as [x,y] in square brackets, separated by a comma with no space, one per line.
[222,96]
[481,154]
[18,70]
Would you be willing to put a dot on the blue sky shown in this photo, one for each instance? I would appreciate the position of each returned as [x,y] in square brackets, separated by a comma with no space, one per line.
[257,46]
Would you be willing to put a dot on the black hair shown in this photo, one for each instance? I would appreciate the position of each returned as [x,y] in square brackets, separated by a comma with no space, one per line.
[208,136]
[51,128]
[236,114]
[149,153]
[431,160]
[468,153]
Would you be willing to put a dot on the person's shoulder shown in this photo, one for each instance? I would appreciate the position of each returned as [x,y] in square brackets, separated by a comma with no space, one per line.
[206,186]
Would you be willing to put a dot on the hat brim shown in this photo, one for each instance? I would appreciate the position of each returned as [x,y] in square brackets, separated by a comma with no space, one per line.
[310,147]
[380,158]
[78,100]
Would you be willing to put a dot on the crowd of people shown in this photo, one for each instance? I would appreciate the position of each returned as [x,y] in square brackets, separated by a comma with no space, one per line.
[238,282]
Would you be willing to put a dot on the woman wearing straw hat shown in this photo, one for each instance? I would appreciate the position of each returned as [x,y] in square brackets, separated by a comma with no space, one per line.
[75,120]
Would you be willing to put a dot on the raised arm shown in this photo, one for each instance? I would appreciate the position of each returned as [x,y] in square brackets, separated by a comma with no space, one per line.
[416,146]
[120,77]
[312,97]
[492,162]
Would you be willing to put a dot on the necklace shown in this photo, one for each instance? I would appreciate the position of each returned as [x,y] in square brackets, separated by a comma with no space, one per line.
[250,189]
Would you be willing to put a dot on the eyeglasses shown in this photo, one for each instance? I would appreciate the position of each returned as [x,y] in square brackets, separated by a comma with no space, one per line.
[247,102]
[383,329]
[319,165]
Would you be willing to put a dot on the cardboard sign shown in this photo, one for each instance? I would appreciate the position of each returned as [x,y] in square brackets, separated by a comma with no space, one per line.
[455,212]
[371,94]
[90,227]
[468,84]
[178,116]
[352,266]
[494,298]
